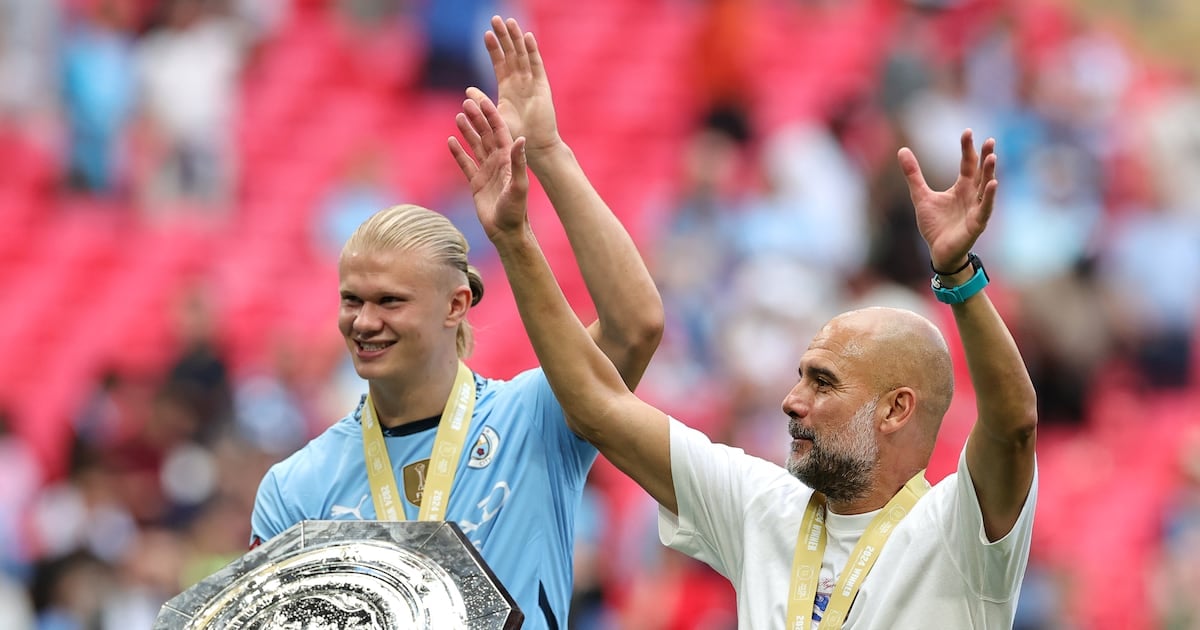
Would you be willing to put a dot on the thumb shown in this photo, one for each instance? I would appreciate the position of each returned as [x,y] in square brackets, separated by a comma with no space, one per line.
[520,172]
[912,173]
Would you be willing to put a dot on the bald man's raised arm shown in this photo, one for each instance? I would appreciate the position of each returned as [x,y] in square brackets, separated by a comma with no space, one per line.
[1000,451]
[633,435]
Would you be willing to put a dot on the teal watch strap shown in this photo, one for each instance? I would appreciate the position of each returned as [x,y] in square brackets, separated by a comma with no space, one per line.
[964,291]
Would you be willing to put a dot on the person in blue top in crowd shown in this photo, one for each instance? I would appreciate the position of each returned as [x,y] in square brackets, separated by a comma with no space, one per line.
[502,451]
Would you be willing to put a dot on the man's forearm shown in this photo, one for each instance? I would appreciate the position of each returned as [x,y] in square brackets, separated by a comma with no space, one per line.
[1000,452]
[580,374]
[627,303]
[598,405]
[1004,393]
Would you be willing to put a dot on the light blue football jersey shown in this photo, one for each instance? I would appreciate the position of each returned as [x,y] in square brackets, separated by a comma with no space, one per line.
[514,496]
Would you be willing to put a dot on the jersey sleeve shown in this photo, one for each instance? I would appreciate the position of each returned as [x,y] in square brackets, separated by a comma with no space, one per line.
[715,485]
[269,517]
[992,568]
[573,455]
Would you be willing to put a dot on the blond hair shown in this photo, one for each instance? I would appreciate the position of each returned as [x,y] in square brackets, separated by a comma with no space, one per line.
[410,227]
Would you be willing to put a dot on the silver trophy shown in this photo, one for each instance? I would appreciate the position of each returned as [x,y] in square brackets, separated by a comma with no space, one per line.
[358,575]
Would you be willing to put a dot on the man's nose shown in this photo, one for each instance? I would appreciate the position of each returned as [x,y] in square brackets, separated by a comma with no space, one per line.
[367,319]
[794,403]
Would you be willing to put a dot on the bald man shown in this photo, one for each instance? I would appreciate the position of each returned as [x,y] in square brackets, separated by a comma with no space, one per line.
[849,534]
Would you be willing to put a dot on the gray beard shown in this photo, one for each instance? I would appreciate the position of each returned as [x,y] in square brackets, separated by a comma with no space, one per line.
[838,477]
[841,474]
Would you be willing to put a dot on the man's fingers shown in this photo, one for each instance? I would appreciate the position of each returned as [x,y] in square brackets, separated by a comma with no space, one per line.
[968,167]
[912,173]
[481,125]
[469,134]
[535,56]
[465,163]
[989,165]
[989,148]
[503,36]
[499,130]
[518,40]
[476,94]
[499,64]
[988,202]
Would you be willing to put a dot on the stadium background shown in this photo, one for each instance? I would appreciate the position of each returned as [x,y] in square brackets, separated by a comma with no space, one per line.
[177,177]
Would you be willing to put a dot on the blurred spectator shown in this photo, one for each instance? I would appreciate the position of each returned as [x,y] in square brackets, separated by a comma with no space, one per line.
[992,65]
[27,41]
[161,472]
[814,209]
[98,85]
[1156,311]
[273,406]
[214,538]
[188,73]
[85,511]
[69,592]
[19,484]
[115,408]
[358,193]
[695,252]
[896,251]
[589,605]
[942,110]
[1176,579]
[199,375]
[1050,217]
[908,62]
[1042,600]
[454,56]
[1068,337]
[1172,129]
[16,611]
[150,574]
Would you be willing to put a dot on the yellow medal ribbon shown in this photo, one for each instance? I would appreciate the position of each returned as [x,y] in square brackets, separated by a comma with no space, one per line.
[443,462]
[810,548]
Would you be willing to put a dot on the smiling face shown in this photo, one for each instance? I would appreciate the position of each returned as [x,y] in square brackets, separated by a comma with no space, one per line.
[399,312]
[832,418]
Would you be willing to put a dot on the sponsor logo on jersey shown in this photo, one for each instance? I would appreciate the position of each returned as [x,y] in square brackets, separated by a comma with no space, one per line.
[346,513]
[485,448]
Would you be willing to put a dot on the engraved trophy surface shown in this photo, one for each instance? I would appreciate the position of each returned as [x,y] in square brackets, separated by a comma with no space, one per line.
[361,575]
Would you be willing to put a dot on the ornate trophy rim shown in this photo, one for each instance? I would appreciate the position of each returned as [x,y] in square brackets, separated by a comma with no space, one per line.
[351,574]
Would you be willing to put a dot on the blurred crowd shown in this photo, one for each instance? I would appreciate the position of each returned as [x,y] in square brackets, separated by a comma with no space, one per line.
[782,205]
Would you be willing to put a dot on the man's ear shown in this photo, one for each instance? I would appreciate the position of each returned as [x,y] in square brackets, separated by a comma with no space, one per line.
[898,407]
[460,302]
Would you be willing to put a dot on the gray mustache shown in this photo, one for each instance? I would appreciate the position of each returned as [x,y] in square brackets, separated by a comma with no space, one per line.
[798,432]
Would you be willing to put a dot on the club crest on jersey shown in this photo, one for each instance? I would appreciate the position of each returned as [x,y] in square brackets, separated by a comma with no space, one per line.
[484,449]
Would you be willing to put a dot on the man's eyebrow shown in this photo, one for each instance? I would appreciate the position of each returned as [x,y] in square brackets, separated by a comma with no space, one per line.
[815,371]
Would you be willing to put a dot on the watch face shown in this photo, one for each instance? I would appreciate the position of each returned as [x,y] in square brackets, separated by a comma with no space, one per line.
[350,574]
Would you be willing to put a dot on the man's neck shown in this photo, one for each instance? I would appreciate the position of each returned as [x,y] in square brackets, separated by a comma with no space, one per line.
[414,398]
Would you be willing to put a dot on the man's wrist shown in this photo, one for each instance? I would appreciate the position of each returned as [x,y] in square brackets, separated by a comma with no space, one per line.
[962,284]
[956,279]
[546,152]
[512,239]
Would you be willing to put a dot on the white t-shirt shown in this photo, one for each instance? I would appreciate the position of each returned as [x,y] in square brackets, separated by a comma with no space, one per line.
[741,514]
